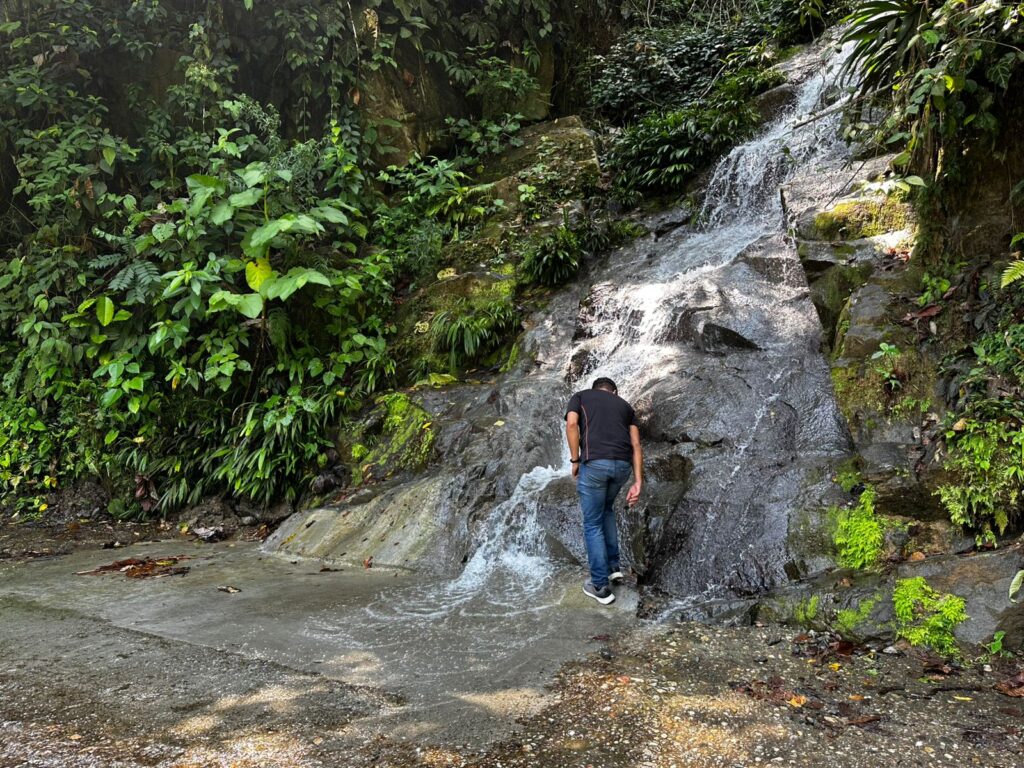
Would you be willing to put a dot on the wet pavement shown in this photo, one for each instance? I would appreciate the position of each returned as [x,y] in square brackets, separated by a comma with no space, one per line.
[348,655]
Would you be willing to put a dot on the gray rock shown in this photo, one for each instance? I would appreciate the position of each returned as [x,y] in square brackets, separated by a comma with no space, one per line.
[983,580]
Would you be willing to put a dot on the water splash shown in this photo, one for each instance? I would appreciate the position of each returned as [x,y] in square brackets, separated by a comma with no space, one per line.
[513,539]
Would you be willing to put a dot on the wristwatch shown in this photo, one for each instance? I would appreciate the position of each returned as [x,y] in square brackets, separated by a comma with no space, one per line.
[574,461]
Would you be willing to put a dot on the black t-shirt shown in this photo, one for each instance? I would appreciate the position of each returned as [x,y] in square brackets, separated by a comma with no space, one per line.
[605,420]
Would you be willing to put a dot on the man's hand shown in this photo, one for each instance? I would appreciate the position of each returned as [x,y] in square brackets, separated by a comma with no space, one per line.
[634,494]
[576,470]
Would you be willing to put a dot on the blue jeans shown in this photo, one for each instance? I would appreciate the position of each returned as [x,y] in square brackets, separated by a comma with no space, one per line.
[598,483]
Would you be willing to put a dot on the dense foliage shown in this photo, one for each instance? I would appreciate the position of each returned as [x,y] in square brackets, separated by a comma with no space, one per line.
[948,76]
[682,83]
[926,617]
[198,265]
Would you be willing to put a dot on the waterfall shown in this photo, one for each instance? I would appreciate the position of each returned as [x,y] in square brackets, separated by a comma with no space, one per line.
[643,314]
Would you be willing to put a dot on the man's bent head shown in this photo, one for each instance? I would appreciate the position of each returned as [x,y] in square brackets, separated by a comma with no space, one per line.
[606,384]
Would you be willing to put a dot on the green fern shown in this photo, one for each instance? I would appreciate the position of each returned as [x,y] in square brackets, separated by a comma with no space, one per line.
[136,281]
[859,536]
[1013,273]
[926,617]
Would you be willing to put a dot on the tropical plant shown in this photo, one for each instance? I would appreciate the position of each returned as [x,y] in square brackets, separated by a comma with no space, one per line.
[555,259]
[467,334]
[1015,271]
[859,533]
[947,67]
[661,152]
[926,617]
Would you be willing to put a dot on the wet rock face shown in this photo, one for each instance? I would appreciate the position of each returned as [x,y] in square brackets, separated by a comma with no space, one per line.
[712,336]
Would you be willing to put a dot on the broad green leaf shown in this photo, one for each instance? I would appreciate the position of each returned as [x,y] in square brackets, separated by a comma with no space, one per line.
[333,215]
[110,155]
[110,437]
[305,276]
[246,198]
[110,397]
[1015,586]
[254,175]
[163,231]
[916,181]
[199,198]
[104,310]
[202,181]
[306,224]
[251,305]
[263,235]
[257,272]
[221,300]
[297,277]
[253,252]
[901,159]
[222,212]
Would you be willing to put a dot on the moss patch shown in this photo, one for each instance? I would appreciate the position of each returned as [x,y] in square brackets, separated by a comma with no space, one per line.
[857,219]
[900,388]
[806,612]
[848,620]
[832,290]
[396,436]
[847,475]
[859,533]
[468,293]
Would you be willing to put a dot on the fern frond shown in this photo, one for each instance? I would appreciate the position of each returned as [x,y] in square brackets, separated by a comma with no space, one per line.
[108,260]
[135,281]
[1013,273]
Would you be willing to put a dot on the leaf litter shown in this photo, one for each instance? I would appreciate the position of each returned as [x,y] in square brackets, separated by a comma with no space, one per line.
[143,567]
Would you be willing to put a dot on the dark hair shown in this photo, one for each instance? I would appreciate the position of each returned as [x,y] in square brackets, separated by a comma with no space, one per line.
[607,384]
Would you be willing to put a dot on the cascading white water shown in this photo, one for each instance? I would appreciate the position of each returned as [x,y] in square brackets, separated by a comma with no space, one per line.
[634,313]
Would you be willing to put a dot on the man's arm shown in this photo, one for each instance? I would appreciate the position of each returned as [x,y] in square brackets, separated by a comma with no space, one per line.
[572,436]
[638,466]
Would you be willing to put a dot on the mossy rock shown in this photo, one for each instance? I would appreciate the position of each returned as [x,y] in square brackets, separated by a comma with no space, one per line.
[861,218]
[865,321]
[395,436]
[865,397]
[481,251]
[414,339]
[831,291]
[559,153]
[857,604]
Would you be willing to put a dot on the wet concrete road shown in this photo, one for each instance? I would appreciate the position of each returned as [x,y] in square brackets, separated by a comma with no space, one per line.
[295,667]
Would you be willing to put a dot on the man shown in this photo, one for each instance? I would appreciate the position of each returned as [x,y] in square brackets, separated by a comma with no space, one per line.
[604,447]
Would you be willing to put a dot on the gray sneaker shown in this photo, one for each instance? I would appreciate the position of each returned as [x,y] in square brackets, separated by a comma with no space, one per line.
[616,576]
[604,595]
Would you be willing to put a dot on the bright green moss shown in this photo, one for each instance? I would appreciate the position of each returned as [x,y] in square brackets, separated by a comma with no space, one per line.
[806,612]
[848,620]
[856,219]
[405,442]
